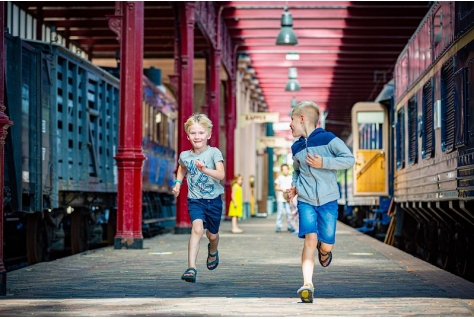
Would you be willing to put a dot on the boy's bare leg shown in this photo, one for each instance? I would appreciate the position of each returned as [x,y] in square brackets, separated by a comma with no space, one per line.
[324,249]
[214,241]
[307,257]
[193,247]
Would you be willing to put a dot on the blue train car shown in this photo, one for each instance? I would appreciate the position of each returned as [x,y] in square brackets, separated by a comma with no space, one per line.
[60,172]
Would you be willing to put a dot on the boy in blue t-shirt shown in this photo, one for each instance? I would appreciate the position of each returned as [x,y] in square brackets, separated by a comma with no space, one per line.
[203,167]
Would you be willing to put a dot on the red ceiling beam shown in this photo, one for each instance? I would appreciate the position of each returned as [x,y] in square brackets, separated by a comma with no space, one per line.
[91,33]
[306,54]
[318,42]
[71,12]
[103,23]
[279,4]
[374,12]
[316,24]
[317,33]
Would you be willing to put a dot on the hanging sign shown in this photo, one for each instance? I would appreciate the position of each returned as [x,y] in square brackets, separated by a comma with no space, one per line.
[260,117]
[271,141]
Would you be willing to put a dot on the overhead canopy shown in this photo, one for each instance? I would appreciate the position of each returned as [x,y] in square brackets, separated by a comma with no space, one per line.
[346,49]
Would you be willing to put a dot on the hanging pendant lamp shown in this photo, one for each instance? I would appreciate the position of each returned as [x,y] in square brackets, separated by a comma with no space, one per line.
[286,36]
[292,84]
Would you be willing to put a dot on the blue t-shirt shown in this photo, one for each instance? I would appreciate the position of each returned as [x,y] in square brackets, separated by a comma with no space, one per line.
[201,185]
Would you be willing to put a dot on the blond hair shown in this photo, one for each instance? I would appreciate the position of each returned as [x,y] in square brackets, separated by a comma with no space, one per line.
[309,109]
[200,119]
[236,178]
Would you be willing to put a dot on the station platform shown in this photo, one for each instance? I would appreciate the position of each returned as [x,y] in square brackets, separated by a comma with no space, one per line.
[258,275]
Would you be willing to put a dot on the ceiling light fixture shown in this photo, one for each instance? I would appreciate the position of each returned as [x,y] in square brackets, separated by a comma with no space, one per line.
[293,102]
[292,84]
[292,56]
[286,36]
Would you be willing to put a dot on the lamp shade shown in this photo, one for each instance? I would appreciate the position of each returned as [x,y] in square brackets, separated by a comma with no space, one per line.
[286,36]
[292,85]
[293,102]
[292,73]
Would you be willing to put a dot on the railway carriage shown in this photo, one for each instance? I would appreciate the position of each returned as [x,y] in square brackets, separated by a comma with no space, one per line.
[430,166]
[60,172]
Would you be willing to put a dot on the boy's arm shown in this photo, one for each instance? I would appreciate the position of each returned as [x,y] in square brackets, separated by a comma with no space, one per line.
[296,172]
[218,173]
[180,173]
[343,156]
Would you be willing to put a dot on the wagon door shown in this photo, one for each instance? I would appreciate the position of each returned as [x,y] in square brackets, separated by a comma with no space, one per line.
[370,147]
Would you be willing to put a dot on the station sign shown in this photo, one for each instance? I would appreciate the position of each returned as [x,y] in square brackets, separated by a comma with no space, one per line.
[259,117]
[271,141]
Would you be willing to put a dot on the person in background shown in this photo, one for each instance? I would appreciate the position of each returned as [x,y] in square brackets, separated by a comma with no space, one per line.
[282,184]
[293,221]
[317,155]
[203,167]
[236,203]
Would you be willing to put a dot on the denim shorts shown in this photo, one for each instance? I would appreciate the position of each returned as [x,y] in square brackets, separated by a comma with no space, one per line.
[207,210]
[318,219]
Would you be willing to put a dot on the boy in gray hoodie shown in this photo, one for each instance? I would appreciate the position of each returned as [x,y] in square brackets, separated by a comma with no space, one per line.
[317,155]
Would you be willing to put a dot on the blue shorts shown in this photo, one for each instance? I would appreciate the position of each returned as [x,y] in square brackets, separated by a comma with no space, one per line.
[318,219]
[207,210]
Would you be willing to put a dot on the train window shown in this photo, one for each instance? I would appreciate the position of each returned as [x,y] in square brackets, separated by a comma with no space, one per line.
[460,107]
[412,131]
[370,130]
[400,139]
[447,106]
[427,142]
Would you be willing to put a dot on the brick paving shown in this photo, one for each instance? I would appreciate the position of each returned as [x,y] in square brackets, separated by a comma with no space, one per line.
[258,275]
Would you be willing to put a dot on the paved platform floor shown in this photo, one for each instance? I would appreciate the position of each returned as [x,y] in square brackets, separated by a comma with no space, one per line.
[258,275]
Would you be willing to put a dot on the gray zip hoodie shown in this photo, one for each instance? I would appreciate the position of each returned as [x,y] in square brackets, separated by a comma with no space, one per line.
[318,186]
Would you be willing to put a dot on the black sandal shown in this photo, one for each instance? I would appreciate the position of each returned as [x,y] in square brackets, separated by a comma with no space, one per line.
[210,264]
[321,261]
[186,276]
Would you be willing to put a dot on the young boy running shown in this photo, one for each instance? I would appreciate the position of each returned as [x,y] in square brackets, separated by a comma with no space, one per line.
[203,167]
[317,155]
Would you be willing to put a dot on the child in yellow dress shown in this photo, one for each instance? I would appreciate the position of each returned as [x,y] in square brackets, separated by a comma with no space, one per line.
[236,203]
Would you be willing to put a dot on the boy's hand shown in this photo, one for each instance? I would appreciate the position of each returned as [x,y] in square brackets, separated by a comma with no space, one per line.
[315,161]
[199,164]
[176,188]
[291,193]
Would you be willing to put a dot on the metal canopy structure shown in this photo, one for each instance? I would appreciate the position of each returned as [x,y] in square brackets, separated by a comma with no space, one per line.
[347,49]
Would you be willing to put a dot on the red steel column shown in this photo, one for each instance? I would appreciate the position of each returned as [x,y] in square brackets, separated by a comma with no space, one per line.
[185,100]
[230,134]
[129,155]
[214,95]
[4,125]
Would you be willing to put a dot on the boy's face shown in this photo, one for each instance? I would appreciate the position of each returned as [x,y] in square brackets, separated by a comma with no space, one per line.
[285,170]
[198,136]
[296,125]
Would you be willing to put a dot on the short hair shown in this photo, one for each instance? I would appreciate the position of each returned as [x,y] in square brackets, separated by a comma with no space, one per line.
[200,119]
[308,108]
[283,165]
